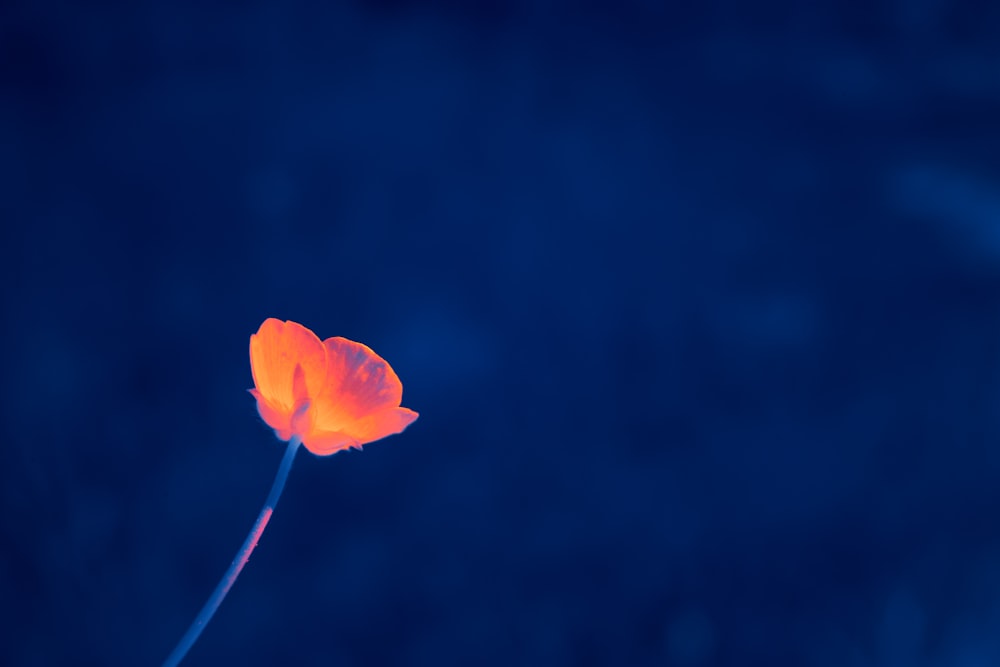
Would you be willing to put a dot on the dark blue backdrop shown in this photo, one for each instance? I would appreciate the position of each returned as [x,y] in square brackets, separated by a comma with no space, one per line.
[700,306]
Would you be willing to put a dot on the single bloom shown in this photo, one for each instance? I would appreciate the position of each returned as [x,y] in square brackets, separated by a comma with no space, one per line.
[332,394]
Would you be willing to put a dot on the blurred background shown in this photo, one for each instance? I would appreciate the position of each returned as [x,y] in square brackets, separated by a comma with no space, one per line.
[699,304]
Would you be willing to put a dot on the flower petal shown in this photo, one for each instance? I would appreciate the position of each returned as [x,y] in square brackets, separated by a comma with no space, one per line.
[275,351]
[302,416]
[280,421]
[361,432]
[359,383]
[324,443]
[381,424]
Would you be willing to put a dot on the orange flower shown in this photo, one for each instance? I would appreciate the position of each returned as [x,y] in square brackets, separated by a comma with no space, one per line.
[332,394]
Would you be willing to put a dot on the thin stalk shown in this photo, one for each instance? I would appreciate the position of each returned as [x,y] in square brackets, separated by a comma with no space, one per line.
[229,578]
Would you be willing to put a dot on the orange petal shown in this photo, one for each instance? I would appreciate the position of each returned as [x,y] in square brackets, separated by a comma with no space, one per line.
[359,383]
[280,421]
[324,443]
[275,351]
[301,414]
[381,424]
[367,429]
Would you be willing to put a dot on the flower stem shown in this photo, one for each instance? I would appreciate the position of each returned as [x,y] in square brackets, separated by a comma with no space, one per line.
[205,615]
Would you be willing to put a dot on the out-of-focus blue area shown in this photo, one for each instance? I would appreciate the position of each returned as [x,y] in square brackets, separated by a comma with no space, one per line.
[699,303]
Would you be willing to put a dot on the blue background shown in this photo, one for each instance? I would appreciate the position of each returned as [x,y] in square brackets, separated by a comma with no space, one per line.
[698,303]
